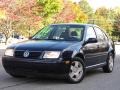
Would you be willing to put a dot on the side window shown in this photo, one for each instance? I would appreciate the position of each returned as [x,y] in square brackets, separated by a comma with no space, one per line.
[106,37]
[100,35]
[90,33]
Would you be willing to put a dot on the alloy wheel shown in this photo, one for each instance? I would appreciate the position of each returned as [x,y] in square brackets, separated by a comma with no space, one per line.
[76,71]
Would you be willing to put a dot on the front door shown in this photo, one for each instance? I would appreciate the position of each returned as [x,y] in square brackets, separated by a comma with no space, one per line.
[91,50]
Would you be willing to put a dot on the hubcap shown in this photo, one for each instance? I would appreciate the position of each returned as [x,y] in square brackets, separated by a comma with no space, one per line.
[111,63]
[76,70]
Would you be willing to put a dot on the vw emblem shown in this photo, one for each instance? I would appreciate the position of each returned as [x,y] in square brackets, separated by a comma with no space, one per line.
[26,53]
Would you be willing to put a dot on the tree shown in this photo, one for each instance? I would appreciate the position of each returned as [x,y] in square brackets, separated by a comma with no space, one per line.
[117,19]
[102,11]
[80,17]
[116,23]
[66,15]
[29,21]
[2,14]
[19,17]
[86,8]
[104,18]
[6,23]
[104,23]
[71,13]
[48,8]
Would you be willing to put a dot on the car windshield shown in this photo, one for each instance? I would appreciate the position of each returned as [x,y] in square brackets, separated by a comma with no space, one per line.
[60,32]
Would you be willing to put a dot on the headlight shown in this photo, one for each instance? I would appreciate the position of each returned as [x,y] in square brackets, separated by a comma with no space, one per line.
[51,54]
[9,52]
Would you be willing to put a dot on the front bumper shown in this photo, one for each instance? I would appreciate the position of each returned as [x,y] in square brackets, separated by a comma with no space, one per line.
[22,66]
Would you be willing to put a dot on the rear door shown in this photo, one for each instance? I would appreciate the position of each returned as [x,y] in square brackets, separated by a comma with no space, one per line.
[103,45]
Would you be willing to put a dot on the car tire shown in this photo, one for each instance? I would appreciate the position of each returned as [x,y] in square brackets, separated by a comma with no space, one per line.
[77,71]
[108,68]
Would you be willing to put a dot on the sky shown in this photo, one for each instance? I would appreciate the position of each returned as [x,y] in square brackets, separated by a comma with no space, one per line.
[106,3]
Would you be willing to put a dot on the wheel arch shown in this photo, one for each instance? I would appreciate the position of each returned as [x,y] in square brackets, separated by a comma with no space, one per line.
[113,52]
[80,55]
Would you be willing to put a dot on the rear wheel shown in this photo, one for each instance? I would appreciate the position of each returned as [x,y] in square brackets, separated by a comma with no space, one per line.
[77,71]
[110,64]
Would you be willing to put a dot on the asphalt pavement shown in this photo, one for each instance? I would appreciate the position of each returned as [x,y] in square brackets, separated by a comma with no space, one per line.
[94,80]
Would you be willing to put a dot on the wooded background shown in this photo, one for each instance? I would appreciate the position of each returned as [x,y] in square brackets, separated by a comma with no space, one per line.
[26,17]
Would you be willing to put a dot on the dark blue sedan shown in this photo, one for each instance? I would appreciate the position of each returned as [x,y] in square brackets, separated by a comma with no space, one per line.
[61,49]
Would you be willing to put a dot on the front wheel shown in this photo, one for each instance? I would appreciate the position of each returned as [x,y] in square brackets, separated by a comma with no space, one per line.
[110,64]
[77,71]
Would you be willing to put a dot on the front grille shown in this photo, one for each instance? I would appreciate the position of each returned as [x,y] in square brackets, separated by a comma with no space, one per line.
[32,54]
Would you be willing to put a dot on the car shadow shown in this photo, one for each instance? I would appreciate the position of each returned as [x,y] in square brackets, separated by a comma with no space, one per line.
[93,72]
[52,80]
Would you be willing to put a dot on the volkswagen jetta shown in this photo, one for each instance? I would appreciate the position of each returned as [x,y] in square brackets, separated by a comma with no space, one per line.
[61,49]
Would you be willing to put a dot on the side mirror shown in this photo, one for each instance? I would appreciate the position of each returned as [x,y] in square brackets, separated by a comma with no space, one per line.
[91,40]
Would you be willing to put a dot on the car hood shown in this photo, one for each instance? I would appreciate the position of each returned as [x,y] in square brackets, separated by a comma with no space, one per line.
[44,45]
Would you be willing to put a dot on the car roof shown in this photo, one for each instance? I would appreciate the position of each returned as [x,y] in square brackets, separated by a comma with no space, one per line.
[75,24]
